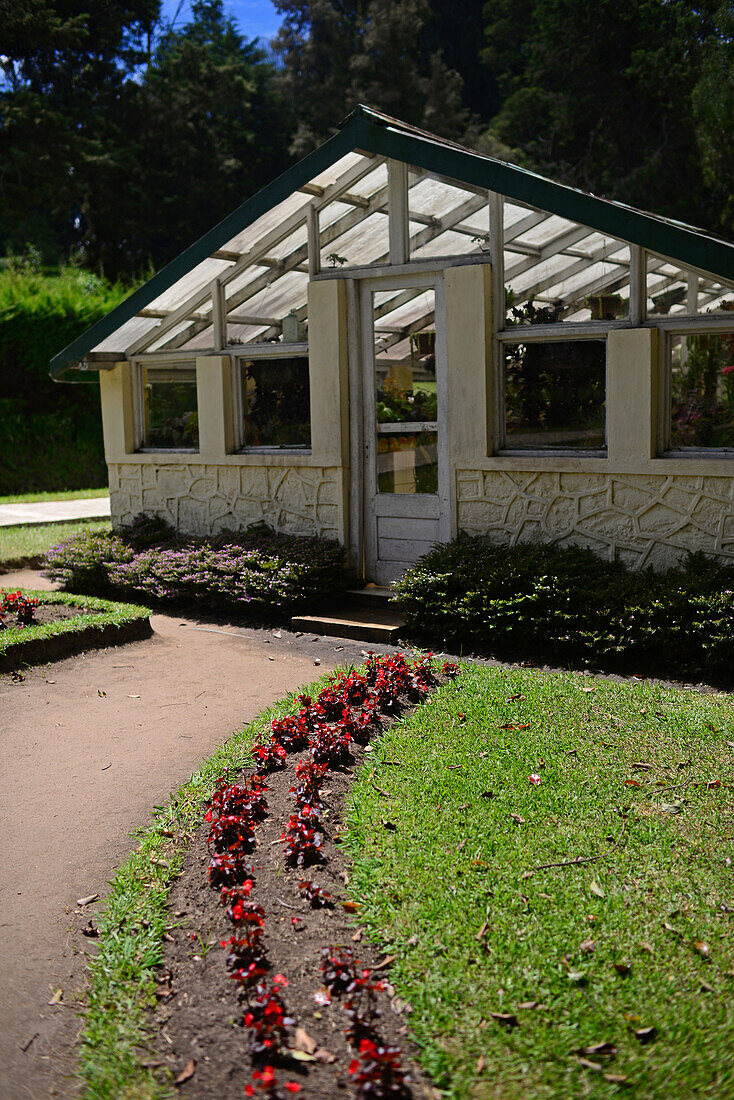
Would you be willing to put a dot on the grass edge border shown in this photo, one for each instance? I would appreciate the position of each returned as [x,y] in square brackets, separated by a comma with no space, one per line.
[113,623]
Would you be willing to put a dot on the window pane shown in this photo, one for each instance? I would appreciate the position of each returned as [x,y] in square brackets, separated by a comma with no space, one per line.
[276,402]
[555,395]
[702,391]
[407,463]
[171,413]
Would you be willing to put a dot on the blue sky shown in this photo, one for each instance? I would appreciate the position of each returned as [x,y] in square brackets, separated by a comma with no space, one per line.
[255,18]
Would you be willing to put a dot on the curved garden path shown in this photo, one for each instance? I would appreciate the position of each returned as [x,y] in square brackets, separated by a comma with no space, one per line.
[87,746]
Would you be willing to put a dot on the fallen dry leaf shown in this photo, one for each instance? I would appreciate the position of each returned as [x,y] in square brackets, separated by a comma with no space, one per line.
[588,689]
[187,1072]
[597,1067]
[645,1034]
[527,1005]
[598,1050]
[509,1019]
[387,961]
[517,819]
[349,906]
[87,901]
[645,946]
[57,998]
[324,1055]
[577,977]
[701,948]
[480,1063]
[615,1078]
[587,947]
[303,1041]
[481,933]
[596,889]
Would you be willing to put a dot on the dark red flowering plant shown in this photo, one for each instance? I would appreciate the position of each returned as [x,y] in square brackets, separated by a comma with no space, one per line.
[265,1083]
[17,604]
[228,869]
[315,895]
[267,1019]
[302,838]
[309,780]
[269,757]
[377,1072]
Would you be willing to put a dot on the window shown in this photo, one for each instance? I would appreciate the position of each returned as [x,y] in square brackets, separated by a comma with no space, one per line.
[275,402]
[555,394]
[701,371]
[169,411]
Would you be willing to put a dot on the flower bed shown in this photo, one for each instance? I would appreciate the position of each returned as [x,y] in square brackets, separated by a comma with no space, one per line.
[281,1006]
[344,715]
[40,626]
[258,572]
[567,606]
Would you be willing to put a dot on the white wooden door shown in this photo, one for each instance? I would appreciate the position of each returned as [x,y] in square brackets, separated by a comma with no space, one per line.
[406,499]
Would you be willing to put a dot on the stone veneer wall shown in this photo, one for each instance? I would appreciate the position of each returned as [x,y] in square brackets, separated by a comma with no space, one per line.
[638,519]
[202,499]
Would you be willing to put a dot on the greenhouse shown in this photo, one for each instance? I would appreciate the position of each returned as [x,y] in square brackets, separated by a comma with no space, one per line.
[400,338]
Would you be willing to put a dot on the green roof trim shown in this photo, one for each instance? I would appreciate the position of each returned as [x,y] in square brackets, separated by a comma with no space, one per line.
[369,130]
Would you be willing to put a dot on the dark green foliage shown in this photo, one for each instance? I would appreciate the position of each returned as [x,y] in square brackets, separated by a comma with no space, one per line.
[259,571]
[211,126]
[52,434]
[599,95]
[713,110]
[567,606]
[122,140]
[336,55]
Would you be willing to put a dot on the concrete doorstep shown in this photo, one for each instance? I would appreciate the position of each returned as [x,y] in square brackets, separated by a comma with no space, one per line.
[365,615]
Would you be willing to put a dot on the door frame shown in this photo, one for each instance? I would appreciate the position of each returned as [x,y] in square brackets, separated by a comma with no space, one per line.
[362,420]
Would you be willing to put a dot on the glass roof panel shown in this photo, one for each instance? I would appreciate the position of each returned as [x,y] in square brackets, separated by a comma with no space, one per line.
[549,229]
[363,243]
[332,174]
[436,198]
[189,284]
[368,185]
[447,243]
[127,334]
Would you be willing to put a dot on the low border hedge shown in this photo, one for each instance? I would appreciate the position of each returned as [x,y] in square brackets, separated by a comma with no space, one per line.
[566,606]
[106,623]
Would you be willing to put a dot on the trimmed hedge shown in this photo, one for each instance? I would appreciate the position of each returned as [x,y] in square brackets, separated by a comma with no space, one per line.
[567,606]
[257,571]
[101,623]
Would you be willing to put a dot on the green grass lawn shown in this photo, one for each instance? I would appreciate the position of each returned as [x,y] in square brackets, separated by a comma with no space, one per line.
[70,494]
[18,544]
[512,968]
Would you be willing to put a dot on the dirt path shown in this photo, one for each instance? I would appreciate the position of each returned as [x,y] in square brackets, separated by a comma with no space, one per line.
[87,746]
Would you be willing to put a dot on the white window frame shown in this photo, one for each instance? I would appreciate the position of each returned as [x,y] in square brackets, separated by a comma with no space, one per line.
[545,334]
[139,365]
[701,325]
[261,351]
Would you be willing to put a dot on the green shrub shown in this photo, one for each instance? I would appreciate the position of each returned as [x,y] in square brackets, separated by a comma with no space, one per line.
[257,571]
[52,434]
[567,606]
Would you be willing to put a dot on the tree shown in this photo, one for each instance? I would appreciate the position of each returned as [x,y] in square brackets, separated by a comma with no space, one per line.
[713,109]
[66,64]
[210,127]
[338,53]
[600,95]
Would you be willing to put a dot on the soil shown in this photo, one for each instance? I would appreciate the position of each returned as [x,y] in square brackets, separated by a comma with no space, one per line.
[202,1019]
[49,613]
